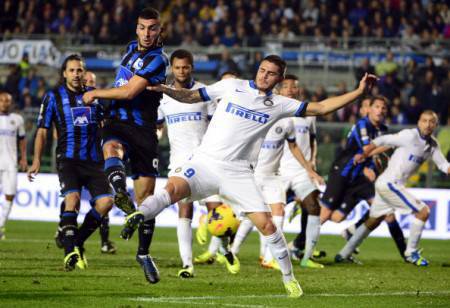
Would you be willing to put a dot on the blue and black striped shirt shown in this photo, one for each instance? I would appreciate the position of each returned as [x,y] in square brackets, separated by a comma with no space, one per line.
[76,124]
[359,136]
[151,65]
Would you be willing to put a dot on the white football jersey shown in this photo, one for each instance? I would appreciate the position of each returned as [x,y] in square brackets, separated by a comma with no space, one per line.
[303,128]
[186,124]
[242,119]
[12,127]
[411,151]
[272,147]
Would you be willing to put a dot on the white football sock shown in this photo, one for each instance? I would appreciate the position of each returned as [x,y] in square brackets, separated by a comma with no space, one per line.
[262,244]
[278,247]
[243,231]
[214,245]
[415,232]
[184,234]
[278,221]
[360,234]
[5,210]
[312,235]
[155,204]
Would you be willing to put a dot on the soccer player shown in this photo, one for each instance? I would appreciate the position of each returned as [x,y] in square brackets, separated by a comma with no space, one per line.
[79,161]
[412,148]
[224,162]
[12,132]
[130,131]
[186,124]
[298,179]
[348,182]
[106,246]
[393,225]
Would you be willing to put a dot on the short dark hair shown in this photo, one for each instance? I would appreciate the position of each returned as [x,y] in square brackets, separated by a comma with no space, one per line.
[148,13]
[290,77]
[72,57]
[182,54]
[234,73]
[379,98]
[278,61]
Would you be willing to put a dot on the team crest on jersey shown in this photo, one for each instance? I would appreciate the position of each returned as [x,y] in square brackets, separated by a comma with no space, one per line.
[81,116]
[138,64]
[268,102]
[278,130]
[178,170]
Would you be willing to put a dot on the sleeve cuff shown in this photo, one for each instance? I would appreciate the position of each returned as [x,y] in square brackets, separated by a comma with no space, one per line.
[160,121]
[301,109]
[204,95]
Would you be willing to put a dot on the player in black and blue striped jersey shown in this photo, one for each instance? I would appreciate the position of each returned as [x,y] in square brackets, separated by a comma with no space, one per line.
[130,130]
[78,156]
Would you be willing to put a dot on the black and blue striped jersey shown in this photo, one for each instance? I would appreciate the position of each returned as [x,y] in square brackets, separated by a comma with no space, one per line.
[359,136]
[76,124]
[151,65]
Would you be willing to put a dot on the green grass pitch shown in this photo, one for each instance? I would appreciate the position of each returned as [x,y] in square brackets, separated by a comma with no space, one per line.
[31,275]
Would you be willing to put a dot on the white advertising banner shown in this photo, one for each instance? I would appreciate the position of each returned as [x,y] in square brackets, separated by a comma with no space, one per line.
[39,52]
[40,201]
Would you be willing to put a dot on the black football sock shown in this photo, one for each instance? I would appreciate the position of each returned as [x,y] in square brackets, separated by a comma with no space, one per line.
[104,229]
[145,231]
[90,224]
[300,240]
[362,219]
[115,172]
[69,230]
[397,236]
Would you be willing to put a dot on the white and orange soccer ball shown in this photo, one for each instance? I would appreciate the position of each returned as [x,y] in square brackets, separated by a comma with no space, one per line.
[222,221]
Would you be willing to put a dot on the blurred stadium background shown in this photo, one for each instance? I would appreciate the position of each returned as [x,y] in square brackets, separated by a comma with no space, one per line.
[328,44]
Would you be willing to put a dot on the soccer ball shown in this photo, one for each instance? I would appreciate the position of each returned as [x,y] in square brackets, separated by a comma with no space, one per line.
[222,221]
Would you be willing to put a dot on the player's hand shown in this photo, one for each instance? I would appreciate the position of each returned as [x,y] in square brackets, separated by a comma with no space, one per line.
[33,170]
[367,82]
[156,88]
[315,177]
[313,164]
[369,174]
[23,165]
[358,158]
[88,97]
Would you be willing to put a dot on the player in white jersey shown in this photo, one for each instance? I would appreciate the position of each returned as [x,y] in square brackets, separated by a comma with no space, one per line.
[11,128]
[186,124]
[270,183]
[298,179]
[224,162]
[412,148]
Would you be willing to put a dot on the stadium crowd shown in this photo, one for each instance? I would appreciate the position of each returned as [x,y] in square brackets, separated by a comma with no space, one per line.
[235,23]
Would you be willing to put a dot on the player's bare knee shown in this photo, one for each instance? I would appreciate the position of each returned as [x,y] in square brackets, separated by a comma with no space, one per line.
[373,222]
[389,218]
[423,214]
[112,149]
[177,188]
[212,205]
[337,216]
[9,197]
[277,209]
[267,228]
[103,205]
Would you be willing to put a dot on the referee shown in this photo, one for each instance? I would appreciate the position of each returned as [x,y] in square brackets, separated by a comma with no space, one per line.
[130,131]
[79,160]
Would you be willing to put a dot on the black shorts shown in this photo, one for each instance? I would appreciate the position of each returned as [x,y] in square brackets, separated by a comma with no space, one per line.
[141,146]
[74,175]
[343,195]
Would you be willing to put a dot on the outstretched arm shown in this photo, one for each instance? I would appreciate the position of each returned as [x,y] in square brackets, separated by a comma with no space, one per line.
[181,95]
[129,91]
[39,145]
[331,104]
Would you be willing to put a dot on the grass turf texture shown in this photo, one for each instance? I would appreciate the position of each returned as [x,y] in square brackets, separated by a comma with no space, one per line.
[31,274]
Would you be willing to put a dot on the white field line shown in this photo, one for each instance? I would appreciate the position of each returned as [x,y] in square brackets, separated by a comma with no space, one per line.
[209,298]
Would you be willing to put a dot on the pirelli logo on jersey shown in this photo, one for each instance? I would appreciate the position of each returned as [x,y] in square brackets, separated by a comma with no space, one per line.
[183,117]
[248,114]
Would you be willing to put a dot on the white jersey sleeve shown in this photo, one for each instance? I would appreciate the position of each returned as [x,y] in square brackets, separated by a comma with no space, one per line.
[211,108]
[161,116]
[20,126]
[216,90]
[293,108]
[402,138]
[439,159]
